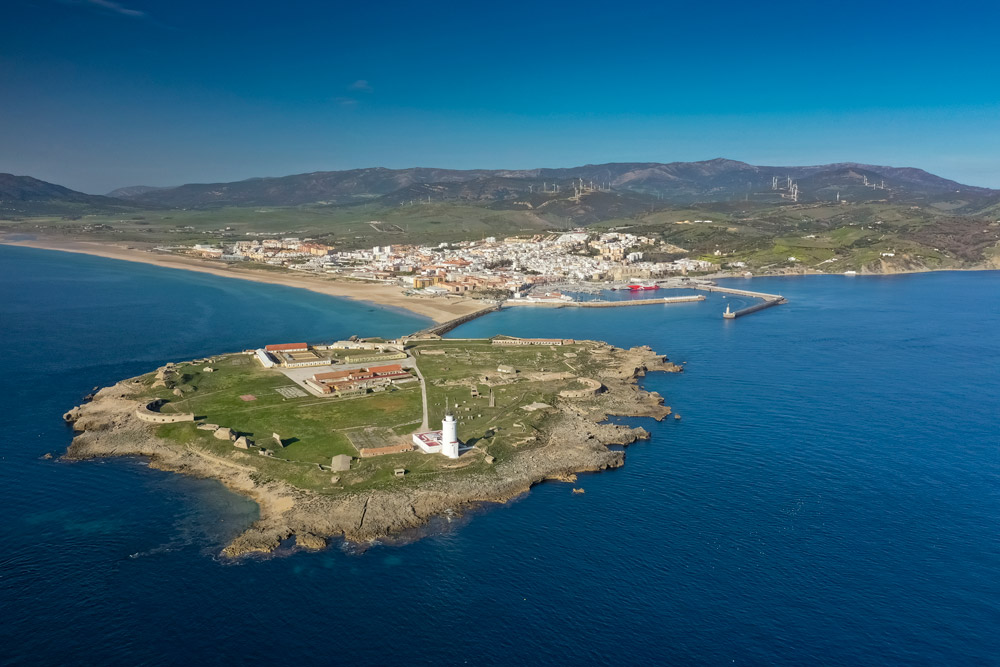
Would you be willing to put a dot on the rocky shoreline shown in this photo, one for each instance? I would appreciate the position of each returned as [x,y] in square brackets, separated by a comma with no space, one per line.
[576,440]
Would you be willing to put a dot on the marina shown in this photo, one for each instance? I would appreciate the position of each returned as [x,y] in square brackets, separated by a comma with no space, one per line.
[702,285]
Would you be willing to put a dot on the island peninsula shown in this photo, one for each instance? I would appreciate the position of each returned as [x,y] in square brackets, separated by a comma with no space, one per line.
[357,439]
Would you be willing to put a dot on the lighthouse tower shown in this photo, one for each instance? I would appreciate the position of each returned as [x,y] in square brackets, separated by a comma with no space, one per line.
[449,435]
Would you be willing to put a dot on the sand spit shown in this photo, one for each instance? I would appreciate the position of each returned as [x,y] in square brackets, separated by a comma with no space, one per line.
[438,309]
[575,441]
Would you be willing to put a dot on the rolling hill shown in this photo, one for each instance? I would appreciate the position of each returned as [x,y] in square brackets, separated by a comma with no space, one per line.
[25,196]
[840,217]
[635,184]
[551,197]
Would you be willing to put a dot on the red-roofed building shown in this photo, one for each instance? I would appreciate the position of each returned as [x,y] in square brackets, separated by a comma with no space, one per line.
[376,378]
[332,376]
[390,369]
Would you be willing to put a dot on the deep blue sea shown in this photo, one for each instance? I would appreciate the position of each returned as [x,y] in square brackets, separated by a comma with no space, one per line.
[830,496]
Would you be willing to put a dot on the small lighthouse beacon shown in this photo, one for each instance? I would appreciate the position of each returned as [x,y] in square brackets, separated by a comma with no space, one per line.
[449,435]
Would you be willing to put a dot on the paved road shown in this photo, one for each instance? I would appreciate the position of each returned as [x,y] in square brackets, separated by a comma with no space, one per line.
[424,425]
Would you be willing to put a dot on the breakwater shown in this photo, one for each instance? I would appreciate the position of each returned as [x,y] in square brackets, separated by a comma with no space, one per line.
[733,314]
[739,292]
[607,304]
[444,327]
[769,300]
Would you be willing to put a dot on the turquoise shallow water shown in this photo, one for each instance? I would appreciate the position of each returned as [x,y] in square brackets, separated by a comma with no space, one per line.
[831,495]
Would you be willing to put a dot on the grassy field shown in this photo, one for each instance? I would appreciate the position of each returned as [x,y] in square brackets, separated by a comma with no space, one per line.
[314,429]
[823,236]
[506,427]
[311,428]
[762,233]
[343,226]
[759,233]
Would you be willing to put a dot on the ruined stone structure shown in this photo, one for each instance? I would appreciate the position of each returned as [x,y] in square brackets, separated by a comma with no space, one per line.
[150,413]
[592,387]
[367,452]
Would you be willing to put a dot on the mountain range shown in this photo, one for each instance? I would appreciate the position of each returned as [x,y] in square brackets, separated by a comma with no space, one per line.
[609,190]
[24,195]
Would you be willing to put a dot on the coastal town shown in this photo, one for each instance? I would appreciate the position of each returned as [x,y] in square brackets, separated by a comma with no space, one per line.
[577,268]
[493,266]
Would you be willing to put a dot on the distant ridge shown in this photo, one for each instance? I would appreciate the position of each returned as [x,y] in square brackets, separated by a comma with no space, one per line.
[708,181]
[612,190]
[132,191]
[24,195]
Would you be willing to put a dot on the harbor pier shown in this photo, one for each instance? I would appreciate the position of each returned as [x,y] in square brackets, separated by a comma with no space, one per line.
[769,299]
[606,304]
[738,292]
[444,327]
[733,314]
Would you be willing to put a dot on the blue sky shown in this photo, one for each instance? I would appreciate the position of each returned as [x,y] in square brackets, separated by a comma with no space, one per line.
[98,94]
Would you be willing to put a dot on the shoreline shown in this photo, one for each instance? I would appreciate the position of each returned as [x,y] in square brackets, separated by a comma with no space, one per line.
[576,441]
[806,274]
[437,309]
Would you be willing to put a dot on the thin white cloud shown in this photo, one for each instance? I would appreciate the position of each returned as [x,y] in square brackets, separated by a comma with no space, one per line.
[110,6]
[346,101]
[361,86]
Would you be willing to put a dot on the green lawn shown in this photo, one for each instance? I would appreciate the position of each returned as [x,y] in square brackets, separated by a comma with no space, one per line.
[465,361]
[311,427]
[314,429]
[344,226]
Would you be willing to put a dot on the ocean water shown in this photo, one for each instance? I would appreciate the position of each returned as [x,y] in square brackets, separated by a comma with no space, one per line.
[831,494]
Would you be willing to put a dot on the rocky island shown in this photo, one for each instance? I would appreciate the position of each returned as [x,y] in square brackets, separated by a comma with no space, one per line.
[342,440]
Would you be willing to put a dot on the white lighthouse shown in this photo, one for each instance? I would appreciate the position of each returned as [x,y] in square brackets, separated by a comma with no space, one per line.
[449,435]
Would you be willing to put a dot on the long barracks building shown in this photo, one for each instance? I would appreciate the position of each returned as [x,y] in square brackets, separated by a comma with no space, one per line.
[358,381]
[533,341]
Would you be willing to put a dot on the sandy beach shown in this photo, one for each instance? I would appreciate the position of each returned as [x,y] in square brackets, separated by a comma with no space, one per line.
[438,309]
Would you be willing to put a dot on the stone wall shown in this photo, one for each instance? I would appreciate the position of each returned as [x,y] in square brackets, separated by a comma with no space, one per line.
[592,387]
[368,452]
[149,413]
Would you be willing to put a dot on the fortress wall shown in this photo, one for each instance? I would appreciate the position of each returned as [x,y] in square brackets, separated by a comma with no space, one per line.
[592,388]
[147,414]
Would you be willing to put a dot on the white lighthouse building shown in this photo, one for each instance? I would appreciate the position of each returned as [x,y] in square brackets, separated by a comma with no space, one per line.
[444,441]
[449,436]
